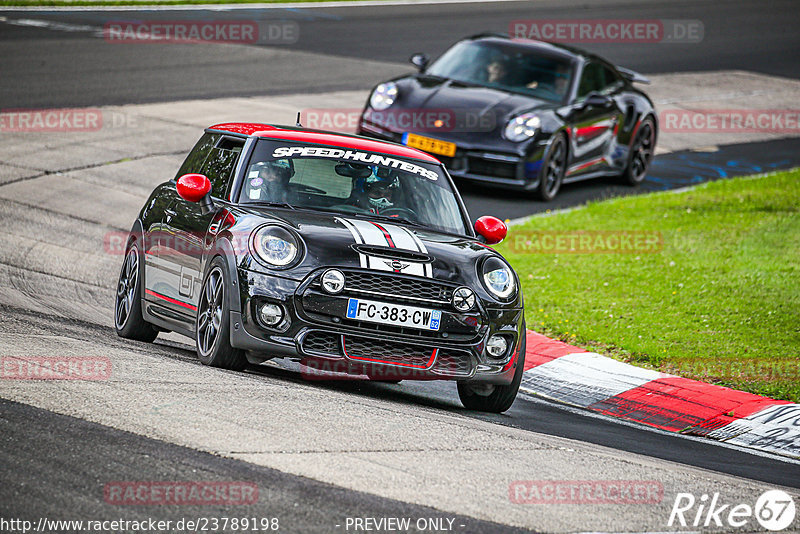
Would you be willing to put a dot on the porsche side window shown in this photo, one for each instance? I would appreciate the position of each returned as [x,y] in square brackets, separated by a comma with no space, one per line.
[194,161]
[611,80]
[592,79]
[220,163]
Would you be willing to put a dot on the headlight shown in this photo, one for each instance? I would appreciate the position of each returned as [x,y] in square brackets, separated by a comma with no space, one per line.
[383,96]
[522,127]
[499,278]
[275,245]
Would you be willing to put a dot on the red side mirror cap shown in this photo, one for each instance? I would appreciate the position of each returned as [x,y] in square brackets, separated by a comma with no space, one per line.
[491,229]
[193,187]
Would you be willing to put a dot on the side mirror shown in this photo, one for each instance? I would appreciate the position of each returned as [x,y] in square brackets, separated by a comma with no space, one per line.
[491,229]
[420,61]
[596,100]
[193,187]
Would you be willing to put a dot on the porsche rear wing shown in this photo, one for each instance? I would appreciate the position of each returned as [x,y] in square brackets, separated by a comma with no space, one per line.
[633,76]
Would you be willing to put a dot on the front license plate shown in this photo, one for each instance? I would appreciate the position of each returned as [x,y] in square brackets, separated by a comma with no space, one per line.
[430,145]
[394,314]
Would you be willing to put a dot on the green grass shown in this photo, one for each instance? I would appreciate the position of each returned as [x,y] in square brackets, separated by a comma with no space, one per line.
[719,303]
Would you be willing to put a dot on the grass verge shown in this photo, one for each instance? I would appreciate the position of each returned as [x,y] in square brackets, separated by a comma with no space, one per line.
[718,300]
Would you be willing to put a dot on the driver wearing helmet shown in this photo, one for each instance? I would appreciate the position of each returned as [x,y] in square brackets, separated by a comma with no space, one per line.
[379,190]
[271,181]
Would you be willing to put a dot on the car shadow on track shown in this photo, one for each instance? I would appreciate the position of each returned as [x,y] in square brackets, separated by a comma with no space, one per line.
[439,395]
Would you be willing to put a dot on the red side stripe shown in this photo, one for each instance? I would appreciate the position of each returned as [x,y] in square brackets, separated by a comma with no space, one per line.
[172,300]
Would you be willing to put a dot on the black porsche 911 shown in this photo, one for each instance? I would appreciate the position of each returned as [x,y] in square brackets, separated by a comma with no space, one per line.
[526,115]
[347,254]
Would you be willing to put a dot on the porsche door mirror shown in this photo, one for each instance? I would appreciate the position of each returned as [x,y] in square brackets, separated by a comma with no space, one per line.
[596,100]
[420,61]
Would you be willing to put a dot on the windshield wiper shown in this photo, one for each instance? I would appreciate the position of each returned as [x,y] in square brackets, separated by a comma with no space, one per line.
[274,204]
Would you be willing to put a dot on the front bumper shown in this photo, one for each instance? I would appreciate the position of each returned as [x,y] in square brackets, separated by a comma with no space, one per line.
[316,331]
[489,163]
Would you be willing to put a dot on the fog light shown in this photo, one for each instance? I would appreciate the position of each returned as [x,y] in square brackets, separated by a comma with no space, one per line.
[271,314]
[496,347]
[333,281]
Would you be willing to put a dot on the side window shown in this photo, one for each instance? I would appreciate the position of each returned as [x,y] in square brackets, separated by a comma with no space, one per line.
[592,79]
[220,164]
[194,161]
[611,80]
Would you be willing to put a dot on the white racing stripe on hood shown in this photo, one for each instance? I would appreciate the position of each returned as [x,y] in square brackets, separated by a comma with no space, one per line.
[387,235]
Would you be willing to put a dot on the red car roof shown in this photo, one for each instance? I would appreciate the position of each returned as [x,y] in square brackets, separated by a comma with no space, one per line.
[323,138]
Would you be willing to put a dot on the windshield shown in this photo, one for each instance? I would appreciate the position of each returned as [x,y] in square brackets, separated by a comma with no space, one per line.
[350,181]
[506,66]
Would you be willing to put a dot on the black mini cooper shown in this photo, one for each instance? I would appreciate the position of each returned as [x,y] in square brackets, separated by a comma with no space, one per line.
[353,256]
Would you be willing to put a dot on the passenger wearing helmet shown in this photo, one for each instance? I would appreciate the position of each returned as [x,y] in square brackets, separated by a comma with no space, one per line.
[270,184]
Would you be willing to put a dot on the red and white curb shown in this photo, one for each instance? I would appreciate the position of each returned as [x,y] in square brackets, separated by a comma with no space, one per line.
[570,375]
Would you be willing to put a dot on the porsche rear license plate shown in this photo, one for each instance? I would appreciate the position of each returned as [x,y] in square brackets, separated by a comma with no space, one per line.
[430,145]
[394,314]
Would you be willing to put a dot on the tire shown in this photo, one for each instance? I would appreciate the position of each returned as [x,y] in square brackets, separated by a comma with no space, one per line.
[128,321]
[213,322]
[500,398]
[641,154]
[553,169]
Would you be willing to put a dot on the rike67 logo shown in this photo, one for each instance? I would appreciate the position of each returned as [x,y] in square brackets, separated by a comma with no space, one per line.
[774,510]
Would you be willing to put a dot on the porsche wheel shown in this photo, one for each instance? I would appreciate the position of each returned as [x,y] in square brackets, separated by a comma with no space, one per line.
[641,155]
[128,320]
[492,397]
[212,325]
[553,170]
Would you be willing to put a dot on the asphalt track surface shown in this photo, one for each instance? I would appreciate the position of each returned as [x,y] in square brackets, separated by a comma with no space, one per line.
[47,468]
[67,485]
[54,68]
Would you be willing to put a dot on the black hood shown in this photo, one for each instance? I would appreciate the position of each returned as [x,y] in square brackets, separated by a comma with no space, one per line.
[347,241]
[489,108]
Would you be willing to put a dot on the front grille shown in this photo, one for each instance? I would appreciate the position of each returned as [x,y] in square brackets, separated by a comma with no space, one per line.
[485,167]
[322,343]
[397,286]
[383,351]
[448,362]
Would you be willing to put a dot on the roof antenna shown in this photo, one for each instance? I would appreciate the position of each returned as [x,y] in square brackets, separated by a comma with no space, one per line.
[298,121]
